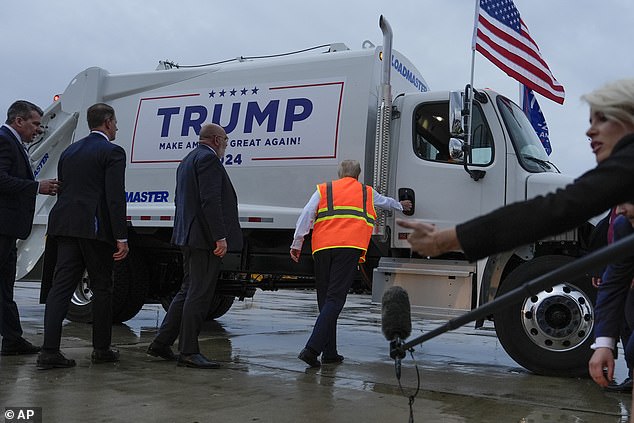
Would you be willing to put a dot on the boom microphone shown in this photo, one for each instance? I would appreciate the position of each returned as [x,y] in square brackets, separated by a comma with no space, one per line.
[396,321]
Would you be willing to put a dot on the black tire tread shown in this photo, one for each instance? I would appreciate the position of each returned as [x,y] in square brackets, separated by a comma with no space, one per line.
[130,287]
[511,335]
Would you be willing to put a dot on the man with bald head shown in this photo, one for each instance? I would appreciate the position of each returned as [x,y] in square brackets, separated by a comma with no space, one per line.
[206,226]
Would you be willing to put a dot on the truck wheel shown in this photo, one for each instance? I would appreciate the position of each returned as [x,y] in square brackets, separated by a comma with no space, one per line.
[126,303]
[166,300]
[219,306]
[130,285]
[548,333]
[80,309]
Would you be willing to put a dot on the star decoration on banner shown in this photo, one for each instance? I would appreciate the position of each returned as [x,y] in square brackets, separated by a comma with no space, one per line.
[233,92]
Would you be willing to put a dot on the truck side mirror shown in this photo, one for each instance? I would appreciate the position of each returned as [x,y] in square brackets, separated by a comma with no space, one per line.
[459,144]
[456,125]
[456,149]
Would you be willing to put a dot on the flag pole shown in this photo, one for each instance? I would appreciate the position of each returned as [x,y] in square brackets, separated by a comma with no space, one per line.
[473,52]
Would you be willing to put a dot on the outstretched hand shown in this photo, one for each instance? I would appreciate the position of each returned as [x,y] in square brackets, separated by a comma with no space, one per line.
[427,241]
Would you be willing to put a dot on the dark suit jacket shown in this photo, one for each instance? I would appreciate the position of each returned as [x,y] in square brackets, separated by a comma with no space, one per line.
[610,183]
[18,187]
[206,203]
[91,200]
[614,288]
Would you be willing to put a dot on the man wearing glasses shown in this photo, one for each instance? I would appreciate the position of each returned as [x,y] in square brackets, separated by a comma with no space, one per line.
[206,226]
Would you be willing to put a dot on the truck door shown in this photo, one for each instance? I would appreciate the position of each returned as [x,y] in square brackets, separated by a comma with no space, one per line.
[444,193]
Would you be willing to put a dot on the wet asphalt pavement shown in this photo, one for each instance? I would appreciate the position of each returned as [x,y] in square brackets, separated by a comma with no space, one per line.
[465,375]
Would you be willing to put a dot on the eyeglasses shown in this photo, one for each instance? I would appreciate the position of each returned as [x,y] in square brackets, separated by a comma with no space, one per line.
[226,138]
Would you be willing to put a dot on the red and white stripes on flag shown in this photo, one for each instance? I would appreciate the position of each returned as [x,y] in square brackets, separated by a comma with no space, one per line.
[502,37]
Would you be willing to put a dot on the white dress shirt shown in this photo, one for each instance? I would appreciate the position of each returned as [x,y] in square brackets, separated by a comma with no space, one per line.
[306,219]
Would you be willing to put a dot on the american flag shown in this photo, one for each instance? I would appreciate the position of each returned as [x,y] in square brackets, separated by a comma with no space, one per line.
[502,37]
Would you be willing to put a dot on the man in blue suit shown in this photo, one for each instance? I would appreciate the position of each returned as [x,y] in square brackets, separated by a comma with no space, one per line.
[89,226]
[206,226]
[613,308]
[18,189]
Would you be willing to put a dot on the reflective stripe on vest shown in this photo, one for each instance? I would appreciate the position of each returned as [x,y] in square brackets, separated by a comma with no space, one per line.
[345,215]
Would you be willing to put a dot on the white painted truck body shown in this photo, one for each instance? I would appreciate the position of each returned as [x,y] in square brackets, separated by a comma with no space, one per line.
[290,121]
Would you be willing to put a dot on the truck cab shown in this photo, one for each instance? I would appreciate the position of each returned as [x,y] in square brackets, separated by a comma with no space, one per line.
[504,163]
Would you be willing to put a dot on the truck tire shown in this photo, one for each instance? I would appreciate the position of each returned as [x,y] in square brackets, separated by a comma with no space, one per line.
[126,303]
[80,308]
[219,306]
[130,286]
[549,333]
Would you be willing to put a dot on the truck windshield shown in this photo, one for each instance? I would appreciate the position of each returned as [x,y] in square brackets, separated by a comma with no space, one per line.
[528,147]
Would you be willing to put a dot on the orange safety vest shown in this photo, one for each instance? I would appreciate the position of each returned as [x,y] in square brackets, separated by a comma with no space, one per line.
[345,216]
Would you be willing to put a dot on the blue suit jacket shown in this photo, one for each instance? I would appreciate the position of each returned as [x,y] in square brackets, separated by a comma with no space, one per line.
[91,200]
[614,288]
[18,187]
[206,203]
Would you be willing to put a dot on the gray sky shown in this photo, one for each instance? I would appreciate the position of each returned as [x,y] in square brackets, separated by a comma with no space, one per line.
[45,44]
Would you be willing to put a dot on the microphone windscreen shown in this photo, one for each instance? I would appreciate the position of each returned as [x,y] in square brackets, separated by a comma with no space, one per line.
[396,320]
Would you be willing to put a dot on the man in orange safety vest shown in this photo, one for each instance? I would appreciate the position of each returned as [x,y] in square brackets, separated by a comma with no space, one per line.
[342,213]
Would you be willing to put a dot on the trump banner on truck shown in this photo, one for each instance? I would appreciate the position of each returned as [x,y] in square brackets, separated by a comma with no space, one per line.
[265,122]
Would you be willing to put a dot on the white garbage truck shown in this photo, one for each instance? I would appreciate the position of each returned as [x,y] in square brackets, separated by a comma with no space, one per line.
[290,120]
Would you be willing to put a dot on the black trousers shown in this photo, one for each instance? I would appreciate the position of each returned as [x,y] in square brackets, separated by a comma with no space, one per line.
[10,327]
[191,304]
[74,255]
[335,269]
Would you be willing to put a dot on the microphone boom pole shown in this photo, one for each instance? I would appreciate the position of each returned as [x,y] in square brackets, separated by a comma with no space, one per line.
[612,253]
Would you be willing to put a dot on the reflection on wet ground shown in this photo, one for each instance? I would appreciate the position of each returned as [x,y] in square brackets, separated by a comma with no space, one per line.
[465,375]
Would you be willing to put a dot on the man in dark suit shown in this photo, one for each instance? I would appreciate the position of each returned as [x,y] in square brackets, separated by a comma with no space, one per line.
[18,189]
[612,297]
[206,226]
[88,223]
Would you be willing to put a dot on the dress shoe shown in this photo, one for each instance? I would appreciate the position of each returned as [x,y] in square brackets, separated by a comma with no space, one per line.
[197,361]
[157,349]
[624,387]
[104,356]
[332,360]
[19,347]
[53,360]
[309,357]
